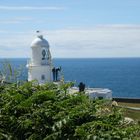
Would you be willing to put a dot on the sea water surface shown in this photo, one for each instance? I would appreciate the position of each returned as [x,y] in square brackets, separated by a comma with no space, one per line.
[121,75]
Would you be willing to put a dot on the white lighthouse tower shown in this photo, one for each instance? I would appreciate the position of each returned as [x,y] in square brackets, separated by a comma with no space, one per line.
[40,65]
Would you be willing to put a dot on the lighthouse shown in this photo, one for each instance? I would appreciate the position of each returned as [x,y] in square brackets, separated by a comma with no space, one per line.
[40,64]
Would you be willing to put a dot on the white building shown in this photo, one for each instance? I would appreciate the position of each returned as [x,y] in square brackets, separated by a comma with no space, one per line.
[94,93]
[40,64]
[99,93]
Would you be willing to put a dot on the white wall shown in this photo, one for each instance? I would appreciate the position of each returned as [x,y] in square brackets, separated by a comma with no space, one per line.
[36,72]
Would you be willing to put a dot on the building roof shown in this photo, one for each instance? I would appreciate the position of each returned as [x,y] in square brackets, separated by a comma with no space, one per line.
[39,41]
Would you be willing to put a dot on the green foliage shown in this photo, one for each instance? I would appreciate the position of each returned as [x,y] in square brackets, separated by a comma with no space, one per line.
[47,112]
[9,74]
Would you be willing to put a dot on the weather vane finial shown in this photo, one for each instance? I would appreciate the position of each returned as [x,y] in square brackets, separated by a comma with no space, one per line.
[39,34]
[37,31]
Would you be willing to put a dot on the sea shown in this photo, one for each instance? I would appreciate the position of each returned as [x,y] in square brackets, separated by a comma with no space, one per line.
[121,75]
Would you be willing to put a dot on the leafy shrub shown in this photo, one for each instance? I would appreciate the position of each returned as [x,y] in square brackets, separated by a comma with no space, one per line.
[47,112]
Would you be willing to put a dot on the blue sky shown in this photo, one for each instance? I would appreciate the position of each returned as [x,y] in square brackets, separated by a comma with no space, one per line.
[74,28]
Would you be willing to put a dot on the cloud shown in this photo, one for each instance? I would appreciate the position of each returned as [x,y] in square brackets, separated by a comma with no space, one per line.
[100,41]
[16,20]
[5,48]
[31,8]
[119,26]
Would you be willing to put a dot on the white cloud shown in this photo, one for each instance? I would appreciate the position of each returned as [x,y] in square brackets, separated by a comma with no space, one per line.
[16,20]
[22,20]
[100,41]
[31,8]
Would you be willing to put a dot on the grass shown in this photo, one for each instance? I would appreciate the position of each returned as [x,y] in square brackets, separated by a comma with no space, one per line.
[134,114]
[129,104]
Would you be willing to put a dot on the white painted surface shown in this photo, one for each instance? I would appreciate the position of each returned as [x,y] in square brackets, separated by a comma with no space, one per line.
[99,93]
[39,42]
[40,66]
[36,72]
[94,92]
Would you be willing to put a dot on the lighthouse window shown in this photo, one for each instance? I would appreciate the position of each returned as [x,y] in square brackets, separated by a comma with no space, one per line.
[43,77]
[43,54]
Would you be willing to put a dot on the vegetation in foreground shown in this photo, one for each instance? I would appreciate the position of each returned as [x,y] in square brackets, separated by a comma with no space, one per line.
[47,112]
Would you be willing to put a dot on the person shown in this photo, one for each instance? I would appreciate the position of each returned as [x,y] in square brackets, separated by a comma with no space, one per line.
[81,87]
[57,70]
[54,73]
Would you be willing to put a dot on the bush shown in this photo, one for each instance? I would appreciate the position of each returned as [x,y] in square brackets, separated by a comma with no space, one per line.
[47,112]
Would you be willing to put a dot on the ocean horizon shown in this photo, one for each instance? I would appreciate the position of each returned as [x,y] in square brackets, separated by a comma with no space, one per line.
[121,75]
